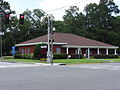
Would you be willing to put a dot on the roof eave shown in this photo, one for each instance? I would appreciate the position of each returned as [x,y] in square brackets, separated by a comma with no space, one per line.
[110,47]
[30,44]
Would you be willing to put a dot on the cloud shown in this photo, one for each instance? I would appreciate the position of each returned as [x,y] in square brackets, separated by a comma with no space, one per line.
[14,5]
[21,5]
[48,5]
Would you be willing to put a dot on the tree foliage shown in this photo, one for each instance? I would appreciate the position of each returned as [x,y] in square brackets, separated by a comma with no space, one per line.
[38,52]
[98,22]
[15,33]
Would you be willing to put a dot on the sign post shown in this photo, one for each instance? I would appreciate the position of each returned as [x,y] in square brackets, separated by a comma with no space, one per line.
[13,50]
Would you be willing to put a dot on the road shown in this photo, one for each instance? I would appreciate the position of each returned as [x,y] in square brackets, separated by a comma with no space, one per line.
[68,77]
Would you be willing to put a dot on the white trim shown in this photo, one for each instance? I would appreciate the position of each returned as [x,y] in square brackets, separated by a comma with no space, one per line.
[79,50]
[98,51]
[107,51]
[88,53]
[115,52]
[69,46]
[110,47]
[27,44]
[67,51]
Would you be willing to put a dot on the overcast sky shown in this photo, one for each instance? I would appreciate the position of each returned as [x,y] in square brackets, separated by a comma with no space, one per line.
[47,5]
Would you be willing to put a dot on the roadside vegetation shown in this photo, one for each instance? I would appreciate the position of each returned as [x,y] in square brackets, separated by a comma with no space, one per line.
[66,61]
[62,58]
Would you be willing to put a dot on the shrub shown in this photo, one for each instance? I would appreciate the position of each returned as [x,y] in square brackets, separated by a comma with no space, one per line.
[39,52]
[105,56]
[8,57]
[18,56]
[60,56]
[25,56]
[76,56]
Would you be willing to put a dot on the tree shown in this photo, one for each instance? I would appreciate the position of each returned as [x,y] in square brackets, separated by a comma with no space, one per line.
[74,21]
[6,42]
[99,19]
[33,26]
[38,53]
[71,13]
[16,33]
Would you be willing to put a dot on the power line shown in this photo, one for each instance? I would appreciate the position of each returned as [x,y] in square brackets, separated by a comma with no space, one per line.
[65,6]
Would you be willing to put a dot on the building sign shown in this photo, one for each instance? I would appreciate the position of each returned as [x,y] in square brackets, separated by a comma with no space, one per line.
[43,47]
[43,51]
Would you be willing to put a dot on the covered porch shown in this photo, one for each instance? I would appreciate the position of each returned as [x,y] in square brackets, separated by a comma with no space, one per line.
[91,50]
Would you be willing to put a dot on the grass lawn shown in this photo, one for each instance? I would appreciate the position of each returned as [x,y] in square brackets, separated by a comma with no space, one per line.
[79,61]
[66,61]
[24,60]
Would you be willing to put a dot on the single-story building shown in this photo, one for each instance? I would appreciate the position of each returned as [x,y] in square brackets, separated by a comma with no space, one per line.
[69,44]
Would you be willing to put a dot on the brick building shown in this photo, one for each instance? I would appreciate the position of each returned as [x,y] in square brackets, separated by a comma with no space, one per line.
[69,44]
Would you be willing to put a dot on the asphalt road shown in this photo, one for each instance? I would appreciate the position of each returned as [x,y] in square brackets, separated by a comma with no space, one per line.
[75,77]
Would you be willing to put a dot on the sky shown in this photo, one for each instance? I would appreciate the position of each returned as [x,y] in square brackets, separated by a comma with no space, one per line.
[49,6]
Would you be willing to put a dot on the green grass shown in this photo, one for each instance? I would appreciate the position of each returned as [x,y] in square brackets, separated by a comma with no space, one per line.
[66,61]
[24,60]
[79,61]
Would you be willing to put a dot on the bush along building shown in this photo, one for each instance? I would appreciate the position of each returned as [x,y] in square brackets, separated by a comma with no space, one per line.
[65,43]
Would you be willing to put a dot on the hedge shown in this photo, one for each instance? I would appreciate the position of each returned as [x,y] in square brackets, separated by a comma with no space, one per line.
[60,56]
[8,57]
[76,56]
[105,56]
[65,56]
[18,56]
[25,56]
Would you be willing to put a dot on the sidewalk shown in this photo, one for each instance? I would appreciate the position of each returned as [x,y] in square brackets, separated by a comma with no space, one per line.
[7,64]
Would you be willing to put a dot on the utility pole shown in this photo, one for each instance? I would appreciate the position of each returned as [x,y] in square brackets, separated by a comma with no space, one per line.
[3,12]
[0,36]
[50,40]
[1,33]
[48,52]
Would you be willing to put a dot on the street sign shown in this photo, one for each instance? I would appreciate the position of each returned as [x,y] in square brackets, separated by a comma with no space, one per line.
[13,47]
[13,50]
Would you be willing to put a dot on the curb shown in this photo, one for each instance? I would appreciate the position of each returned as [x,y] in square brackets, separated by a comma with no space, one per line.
[54,64]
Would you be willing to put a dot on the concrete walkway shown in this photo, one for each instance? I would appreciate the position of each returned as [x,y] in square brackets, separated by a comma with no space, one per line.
[14,64]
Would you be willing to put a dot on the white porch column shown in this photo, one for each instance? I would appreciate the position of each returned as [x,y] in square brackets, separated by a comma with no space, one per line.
[78,51]
[115,52]
[67,50]
[107,51]
[98,51]
[88,56]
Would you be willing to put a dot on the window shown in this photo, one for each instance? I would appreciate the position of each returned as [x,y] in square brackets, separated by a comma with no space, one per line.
[23,51]
[28,51]
[58,50]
